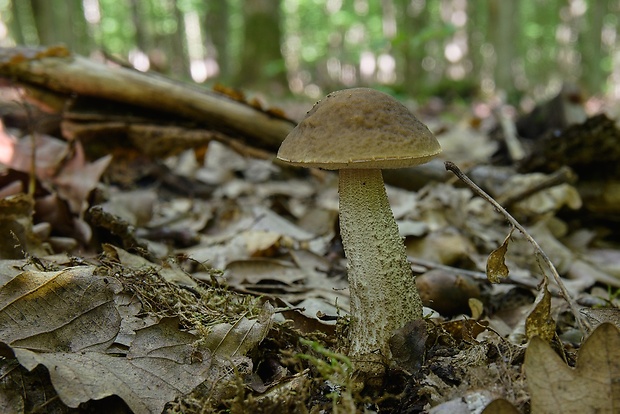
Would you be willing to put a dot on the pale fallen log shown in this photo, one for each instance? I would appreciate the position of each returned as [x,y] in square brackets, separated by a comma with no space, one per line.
[58,70]
[52,75]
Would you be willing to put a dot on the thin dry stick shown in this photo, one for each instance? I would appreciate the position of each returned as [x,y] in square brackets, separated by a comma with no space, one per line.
[478,275]
[584,326]
[561,176]
[514,146]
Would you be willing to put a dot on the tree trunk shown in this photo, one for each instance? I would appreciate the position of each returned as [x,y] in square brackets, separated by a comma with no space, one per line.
[476,22]
[62,22]
[217,28]
[43,13]
[411,21]
[180,61]
[262,64]
[18,25]
[590,45]
[138,24]
[503,24]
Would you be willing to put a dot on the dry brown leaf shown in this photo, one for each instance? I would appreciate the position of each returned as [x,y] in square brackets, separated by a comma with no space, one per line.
[78,178]
[596,316]
[496,265]
[16,235]
[162,363]
[135,207]
[333,290]
[597,265]
[471,402]
[608,260]
[250,272]
[74,178]
[48,311]
[261,243]
[465,329]
[17,153]
[70,322]
[588,274]
[593,386]
[171,272]
[476,308]
[445,246]
[539,322]
[547,234]
[408,345]
[500,406]
[268,220]
[50,208]
[541,202]
[227,340]
[11,402]
[309,280]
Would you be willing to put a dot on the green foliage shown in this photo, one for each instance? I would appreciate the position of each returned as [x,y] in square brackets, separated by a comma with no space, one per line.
[323,42]
[427,34]
[117,34]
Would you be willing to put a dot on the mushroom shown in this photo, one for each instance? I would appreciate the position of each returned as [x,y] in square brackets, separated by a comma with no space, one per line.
[359,132]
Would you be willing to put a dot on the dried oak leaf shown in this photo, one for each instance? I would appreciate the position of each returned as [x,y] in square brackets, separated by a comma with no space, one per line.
[162,363]
[67,321]
[51,311]
[593,386]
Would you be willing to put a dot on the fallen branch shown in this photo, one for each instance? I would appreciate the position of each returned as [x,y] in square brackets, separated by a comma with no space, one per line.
[58,70]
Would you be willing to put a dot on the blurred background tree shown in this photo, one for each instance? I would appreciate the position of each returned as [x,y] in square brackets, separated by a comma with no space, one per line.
[421,48]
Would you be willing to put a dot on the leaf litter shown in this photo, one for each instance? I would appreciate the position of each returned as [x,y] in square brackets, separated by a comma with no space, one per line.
[227,290]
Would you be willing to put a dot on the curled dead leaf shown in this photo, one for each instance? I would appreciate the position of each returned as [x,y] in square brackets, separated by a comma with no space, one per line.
[496,264]
[592,386]
[159,367]
[49,311]
[539,322]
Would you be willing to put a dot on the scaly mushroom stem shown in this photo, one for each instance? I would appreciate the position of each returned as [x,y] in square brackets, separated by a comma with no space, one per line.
[383,292]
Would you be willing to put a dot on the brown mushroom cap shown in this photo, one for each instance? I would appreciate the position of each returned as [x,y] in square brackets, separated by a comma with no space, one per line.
[359,128]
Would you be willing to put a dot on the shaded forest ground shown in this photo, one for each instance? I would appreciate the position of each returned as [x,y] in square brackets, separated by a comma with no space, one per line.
[155,257]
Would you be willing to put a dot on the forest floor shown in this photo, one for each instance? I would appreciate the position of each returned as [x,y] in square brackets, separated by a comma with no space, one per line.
[212,279]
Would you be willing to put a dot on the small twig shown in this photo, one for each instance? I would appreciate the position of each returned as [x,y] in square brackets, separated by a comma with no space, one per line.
[431,265]
[561,176]
[584,326]
[511,138]
[428,265]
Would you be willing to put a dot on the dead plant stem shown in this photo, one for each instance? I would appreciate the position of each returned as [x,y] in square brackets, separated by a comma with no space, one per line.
[583,325]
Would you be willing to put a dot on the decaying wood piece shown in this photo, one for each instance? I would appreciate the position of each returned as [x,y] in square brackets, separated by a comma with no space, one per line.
[511,139]
[591,149]
[517,138]
[117,106]
[601,197]
[557,114]
[58,70]
[156,140]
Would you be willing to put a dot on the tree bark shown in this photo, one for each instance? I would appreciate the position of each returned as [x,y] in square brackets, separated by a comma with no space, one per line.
[58,71]
[62,22]
[262,64]
[17,24]
[503,24]
[591,47]
[217,26]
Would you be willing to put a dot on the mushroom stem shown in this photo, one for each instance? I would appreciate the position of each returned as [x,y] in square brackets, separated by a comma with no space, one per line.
[383,291]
